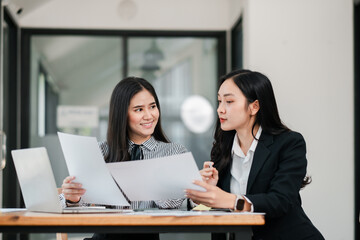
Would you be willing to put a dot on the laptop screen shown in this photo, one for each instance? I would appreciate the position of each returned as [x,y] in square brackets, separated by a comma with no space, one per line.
[36,179]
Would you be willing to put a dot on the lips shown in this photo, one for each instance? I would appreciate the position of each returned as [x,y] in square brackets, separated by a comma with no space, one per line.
[222,120]
[147,125]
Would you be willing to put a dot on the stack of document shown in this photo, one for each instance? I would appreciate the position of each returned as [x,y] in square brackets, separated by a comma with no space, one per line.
[150,179]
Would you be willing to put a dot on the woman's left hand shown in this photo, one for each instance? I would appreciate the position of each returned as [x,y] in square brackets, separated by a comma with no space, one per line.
[209,174]
[213,197]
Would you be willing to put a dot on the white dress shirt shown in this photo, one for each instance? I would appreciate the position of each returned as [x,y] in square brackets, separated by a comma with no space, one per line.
[241,165]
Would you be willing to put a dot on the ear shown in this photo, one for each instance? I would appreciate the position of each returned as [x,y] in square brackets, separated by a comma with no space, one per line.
[254,107]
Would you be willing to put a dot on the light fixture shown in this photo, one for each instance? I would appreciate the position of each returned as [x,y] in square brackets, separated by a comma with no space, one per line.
[197,114]
[152,56]
[127,9]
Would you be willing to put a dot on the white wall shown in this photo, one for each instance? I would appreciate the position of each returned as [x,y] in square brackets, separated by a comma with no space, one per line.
[235,10]
[306,49]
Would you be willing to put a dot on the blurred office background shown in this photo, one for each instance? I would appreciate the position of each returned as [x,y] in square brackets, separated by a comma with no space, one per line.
[61,60]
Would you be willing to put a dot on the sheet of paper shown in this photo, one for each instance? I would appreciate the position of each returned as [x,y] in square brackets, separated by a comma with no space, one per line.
[181,213]
[158,178]
[85,161]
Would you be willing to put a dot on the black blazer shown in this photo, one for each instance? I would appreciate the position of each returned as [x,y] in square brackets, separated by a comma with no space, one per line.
[275,179]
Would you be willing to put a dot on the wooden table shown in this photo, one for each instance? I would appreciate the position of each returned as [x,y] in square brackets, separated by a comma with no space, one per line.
[32,222]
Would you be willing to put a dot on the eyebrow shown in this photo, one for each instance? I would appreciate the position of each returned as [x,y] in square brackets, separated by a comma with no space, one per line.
[139,106]
[227,94]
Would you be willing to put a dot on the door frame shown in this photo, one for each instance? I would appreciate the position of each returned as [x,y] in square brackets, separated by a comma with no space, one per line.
[357,116]
[27,33]
[237,45]
[11,113]
[2,132]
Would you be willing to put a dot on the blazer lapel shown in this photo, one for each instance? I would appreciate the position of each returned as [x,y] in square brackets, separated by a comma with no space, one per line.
[260,156]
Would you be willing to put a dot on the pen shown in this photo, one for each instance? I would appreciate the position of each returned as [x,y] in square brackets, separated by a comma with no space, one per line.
[210,164]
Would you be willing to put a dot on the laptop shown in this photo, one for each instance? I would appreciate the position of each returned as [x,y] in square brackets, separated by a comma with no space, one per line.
[38,186]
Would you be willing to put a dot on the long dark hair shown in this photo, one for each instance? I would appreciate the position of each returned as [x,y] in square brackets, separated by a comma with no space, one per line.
[254,86]
[117,132]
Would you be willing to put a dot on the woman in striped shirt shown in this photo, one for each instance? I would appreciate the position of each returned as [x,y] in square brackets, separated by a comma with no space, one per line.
[134,133]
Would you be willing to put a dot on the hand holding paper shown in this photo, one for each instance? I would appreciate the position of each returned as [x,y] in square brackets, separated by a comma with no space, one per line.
[84,160]
[158,178]
[144,180]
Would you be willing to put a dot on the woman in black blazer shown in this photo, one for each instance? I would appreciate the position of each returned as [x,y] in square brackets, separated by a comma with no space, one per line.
[258,163]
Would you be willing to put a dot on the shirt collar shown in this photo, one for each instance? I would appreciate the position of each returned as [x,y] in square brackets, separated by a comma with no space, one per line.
[149,144]
[236,146]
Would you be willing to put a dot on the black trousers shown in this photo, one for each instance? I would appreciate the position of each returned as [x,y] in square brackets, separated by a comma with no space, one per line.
[124,236]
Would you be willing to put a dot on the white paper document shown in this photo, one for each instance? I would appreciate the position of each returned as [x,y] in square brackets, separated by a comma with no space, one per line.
[184,213]
[157,178]
[85,161]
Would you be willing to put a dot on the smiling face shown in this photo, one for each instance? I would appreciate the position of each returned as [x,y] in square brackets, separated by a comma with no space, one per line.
[234,110]
[143,116]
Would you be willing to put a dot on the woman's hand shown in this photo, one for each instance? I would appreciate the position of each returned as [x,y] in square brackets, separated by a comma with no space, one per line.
[213,197]
[72,190]
[209,174]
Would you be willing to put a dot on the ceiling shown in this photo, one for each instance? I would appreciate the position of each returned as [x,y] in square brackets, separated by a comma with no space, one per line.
[126,14]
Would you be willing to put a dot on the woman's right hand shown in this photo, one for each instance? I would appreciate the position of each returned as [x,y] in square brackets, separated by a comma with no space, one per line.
[209,174]
[72,190]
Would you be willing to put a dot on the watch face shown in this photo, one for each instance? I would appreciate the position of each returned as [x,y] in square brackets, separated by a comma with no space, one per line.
[240,204]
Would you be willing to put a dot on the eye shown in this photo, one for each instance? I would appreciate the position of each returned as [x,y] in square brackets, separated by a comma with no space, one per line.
[229,102]
[219,101]
[138,110]
[153,106]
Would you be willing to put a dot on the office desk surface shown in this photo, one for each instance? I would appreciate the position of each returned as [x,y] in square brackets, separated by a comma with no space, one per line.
[32,222]
[118,219]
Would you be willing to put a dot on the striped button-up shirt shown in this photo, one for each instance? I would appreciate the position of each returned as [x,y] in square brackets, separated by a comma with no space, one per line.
[150,149]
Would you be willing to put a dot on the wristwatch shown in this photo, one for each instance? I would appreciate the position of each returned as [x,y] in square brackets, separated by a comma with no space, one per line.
[239,203]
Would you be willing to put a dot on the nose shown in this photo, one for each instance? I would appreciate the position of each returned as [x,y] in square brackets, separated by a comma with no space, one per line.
[220,109]
[147,114]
